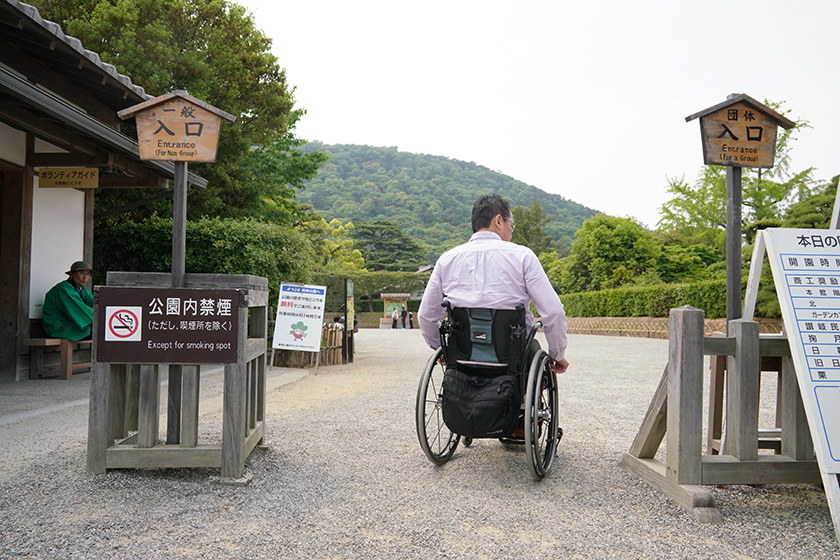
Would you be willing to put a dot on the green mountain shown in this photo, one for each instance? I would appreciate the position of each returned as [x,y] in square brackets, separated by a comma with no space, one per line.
[429,197]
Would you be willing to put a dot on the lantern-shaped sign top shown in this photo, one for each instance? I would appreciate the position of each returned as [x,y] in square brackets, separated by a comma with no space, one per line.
[177,127]
[740,132]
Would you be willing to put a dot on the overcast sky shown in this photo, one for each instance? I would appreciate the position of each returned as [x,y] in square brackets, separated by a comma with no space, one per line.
[584,99]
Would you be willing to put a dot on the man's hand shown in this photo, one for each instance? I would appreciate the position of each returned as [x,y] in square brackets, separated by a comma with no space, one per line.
[559,366]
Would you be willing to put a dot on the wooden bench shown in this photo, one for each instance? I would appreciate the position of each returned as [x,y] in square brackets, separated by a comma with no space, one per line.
[65,368]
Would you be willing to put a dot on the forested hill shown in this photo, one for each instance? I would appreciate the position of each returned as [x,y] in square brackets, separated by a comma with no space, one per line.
[429,197]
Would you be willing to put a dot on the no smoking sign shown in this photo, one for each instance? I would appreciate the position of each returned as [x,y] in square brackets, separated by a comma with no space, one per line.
[123,323]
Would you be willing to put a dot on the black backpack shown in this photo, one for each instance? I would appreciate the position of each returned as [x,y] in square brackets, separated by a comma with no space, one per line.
[481,387]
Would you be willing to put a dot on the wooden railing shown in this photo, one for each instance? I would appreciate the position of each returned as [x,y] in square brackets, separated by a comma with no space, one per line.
[651,327]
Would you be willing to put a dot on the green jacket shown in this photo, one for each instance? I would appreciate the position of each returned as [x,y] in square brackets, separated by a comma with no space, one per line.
[68,313]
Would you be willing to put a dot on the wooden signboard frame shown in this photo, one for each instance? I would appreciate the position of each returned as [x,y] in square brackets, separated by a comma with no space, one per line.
[740,132]
[177,127]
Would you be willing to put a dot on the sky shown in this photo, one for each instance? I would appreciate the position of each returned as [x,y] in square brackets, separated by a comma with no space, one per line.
[584,99]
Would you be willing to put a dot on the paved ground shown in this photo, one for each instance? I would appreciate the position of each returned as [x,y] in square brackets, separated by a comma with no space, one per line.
[344,477]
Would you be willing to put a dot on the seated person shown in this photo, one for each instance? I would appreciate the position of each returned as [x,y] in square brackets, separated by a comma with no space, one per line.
[68,306]
[491,272]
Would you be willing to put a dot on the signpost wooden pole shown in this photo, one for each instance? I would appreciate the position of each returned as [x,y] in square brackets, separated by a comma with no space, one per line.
[733,244]
[179,225]
[179,257]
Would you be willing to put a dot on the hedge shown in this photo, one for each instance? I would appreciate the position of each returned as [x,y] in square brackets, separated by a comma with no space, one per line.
[649,301]
[214,245]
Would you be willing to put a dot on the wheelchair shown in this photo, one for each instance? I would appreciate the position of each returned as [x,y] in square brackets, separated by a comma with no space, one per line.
[481,346]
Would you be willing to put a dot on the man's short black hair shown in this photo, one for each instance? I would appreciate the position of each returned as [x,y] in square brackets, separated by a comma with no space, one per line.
[486,208]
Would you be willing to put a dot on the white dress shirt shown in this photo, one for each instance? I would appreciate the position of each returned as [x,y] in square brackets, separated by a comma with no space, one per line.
[487,272]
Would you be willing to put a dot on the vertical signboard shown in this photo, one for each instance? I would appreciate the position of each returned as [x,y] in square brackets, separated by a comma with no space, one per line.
[350,305]
[806,271]
[300,315]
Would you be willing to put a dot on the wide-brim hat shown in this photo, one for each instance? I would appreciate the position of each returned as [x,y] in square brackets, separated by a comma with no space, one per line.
[79,265]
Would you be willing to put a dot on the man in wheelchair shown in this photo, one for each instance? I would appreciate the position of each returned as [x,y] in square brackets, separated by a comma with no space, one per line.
[485,287]
[489,272]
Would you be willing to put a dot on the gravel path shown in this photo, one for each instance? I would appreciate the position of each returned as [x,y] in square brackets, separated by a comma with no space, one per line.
[343,477]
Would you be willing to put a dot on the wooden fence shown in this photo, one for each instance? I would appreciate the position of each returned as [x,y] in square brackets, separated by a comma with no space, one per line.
[331,339]
[651,327]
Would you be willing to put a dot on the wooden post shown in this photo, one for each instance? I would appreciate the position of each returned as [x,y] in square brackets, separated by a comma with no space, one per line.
[98,429]
[189,420]
[685,385]
[234,427]
[654,426]
[796,435]
[717,376]
[742,385]
[132,397]
[116,403]
[347,328]
[179,224]
[147,428]
[733,244]
[179,252]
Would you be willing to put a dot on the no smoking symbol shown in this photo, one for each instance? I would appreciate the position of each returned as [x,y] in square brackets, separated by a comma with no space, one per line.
[123,323]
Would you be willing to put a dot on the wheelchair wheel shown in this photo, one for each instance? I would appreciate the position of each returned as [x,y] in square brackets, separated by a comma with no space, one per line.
[541,411]
[437,441]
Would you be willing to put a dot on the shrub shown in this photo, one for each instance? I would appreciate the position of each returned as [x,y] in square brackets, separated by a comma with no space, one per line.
[649,301]
[214,245]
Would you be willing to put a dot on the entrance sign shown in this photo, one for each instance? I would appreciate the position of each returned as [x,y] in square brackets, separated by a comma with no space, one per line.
[806,271]
[167,325]
[740,132]
[68,177]
[177,127]
[300,315]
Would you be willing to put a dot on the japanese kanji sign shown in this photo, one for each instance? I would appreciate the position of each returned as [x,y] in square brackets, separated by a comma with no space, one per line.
[178,131]
[68,177]
[300,315]
[167,325]
[740,132]
[806,271]
[738,135]
[177,127]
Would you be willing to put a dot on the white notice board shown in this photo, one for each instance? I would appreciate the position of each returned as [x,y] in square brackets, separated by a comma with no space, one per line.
[300,315]
[806,270]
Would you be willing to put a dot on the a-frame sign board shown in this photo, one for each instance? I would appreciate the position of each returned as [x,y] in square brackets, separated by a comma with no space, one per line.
[806,271]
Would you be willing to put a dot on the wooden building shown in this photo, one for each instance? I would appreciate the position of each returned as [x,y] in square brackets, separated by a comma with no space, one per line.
[58,109]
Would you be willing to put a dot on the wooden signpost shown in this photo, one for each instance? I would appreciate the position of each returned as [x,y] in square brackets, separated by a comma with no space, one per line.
[806,268]
[740,132]
[179,128]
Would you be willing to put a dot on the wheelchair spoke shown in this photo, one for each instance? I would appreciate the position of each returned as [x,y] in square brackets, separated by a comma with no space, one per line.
[436,440]
[541,413]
